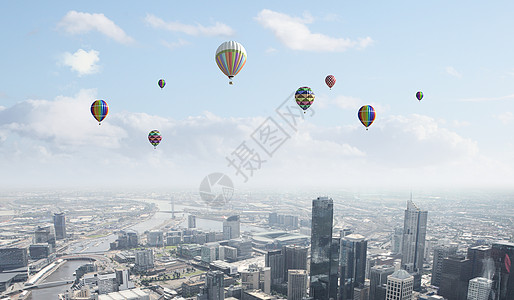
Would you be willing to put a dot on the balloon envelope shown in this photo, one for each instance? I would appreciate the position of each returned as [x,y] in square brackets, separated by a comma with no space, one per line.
[366,115]
[154,137]
[161,83]
[99,109]
[419,95]
[230,58]
[304,97]
[330,80]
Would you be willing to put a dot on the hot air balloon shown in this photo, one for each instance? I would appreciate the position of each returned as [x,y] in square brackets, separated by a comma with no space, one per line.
[330,80]
[99,109]
[366,115]
[161,83]
[230,58]
[419,95]
[155,138]
[304,97]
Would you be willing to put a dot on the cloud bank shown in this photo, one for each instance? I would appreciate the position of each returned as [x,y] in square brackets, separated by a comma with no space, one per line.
[218,29]
[83,62]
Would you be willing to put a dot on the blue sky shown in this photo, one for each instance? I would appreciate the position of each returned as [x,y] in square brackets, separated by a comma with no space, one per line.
[58,57]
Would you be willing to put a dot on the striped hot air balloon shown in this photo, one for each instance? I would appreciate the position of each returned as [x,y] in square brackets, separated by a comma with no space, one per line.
[154,137]
[419,95]
[99,109]
[161,83]
[366,115]
[230,58]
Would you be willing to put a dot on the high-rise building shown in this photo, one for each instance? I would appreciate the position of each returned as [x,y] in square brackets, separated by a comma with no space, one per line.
[295,258]
[296,284]
[378,281]
[191,221]
[479,288]
[60,225]
[231,228]
[413,241]
[275,260]
[13,258]
[214,288]
[361,292]
[400,285]
[155,238]
[455,277]
[352,262]
[396,240]
[256,279]
[144,259]
[44,234]
[503,256]
[440,253]
[321,250]
[479,255]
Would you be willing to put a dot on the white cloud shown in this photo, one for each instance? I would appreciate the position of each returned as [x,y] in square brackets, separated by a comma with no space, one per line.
[484,99]
[293,33]
[459,124]
[175,45]
[271,50]
[218,29]
[61,143]
[506,117]
[453,72]
[83,62]
[79,23]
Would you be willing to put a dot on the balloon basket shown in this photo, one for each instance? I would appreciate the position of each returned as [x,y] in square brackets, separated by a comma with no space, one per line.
[230,83]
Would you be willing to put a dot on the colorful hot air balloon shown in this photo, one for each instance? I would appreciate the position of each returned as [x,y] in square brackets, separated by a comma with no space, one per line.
[304,97]
[366,115]
[161,83]
[419,95]
[230,58]
[99,109]
[155,138]
[330,80]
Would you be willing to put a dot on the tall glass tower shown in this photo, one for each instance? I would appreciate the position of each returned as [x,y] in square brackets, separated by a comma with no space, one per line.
[413,245]
[60,226]
[321,242]
[353,264]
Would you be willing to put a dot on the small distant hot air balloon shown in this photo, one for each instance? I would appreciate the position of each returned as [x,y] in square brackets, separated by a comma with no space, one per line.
[155,138]
[304,97]
[161,83]
[99,109]
[230,58]
[366,115]
[330,80]
[419,95]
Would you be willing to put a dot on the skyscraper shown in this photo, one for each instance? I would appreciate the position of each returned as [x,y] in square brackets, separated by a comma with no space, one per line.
[60,226]
[44,234]
[296,284]
[399,286]
[479,288]
[321,242]
[191,221]
[503,255]
[378,281]
[144,259]
[413,242]
[275,260]
[478,256]
[440,252]
[455,277]
[295,258]
[231,228]
[352,262]
[214,285]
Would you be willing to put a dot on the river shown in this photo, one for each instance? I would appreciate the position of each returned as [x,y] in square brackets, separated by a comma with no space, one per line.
[102,244]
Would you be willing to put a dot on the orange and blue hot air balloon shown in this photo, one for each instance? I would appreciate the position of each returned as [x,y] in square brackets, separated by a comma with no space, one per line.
[230,58]
[366,115]
[99,109]
[304,97]
[419,95]
[330,80]
[161,83]
[154,137]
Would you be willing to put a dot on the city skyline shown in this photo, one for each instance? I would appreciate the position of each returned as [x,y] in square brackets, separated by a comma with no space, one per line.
[381,54]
